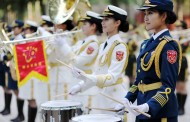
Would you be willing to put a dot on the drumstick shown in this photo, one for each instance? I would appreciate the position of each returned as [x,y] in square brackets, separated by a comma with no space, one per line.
[65,94]
[61,95]
[72,68]
[147,115]
[104,109]
[64,64]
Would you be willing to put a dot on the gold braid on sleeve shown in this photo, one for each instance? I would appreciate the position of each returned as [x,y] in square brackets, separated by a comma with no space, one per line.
[160,98]
[133,88]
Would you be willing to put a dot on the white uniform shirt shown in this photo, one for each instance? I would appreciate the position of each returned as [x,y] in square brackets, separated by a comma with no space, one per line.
[84,59]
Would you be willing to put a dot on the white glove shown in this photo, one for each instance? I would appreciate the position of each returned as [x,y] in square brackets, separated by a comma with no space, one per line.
[121,108]
[77,73]
[59,40]
[62,47]
[143,108]
[75,89]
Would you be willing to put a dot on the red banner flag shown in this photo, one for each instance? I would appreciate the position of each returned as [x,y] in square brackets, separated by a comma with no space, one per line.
[30,60]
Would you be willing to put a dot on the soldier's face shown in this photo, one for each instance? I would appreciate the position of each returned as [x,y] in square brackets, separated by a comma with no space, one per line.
[87,28]
[27,31]
[110,25]
[61,26]
[153,20]
[17,30]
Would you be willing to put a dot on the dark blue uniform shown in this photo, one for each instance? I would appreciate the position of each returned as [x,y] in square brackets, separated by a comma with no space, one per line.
[12,84]
[157,88]
[2,73]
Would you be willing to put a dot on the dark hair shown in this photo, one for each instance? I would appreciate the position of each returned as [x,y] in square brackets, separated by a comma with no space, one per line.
[98,25]
[124,26]
[183,24]
[49,24]
[69,24]
[171,17]
[19,27]
[34,29]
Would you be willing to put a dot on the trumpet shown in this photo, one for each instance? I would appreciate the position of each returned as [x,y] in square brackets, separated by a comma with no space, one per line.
[36,38]
[4,38]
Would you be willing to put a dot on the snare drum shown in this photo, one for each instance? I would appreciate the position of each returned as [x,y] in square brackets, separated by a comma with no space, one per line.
[59,110]
[96,118]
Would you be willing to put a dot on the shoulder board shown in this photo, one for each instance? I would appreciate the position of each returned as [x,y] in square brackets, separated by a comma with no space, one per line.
[167,38]
[95,41]
[116,42]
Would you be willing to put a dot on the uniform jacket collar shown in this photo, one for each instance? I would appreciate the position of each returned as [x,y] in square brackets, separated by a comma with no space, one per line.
[113,38]
[89,38]
[109,41]
[149,46]
[159,33]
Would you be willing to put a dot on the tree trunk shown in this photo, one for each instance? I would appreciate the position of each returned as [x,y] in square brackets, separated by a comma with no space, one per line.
[42,7]
[114,2]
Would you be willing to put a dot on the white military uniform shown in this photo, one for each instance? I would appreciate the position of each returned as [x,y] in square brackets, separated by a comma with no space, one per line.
[84,60]
[86,55]
[109,67]
[59,74]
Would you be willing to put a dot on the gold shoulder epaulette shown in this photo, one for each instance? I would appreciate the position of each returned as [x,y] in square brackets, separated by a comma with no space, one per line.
[167,38]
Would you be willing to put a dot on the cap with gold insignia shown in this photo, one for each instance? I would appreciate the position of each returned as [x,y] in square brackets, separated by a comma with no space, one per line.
[164,5]
[46,21]
[115,12]
[91,16]
[17,23]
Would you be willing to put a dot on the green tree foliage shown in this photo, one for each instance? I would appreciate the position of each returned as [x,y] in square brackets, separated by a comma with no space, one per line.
[19,7]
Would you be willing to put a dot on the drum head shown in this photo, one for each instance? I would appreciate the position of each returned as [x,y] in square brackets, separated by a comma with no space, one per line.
[96,118]
[61,105]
